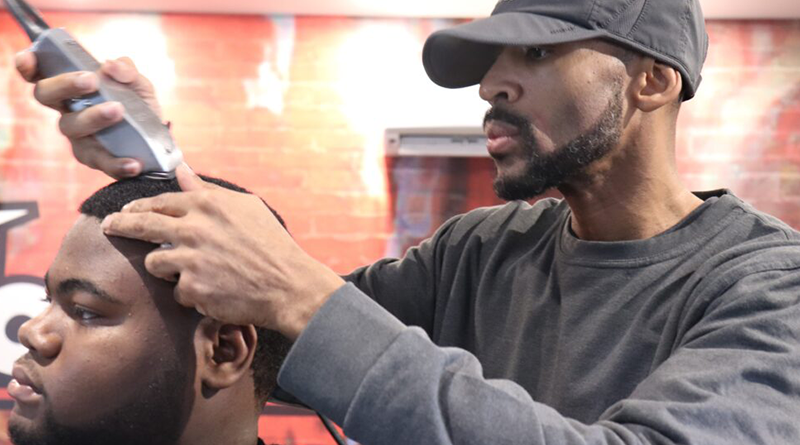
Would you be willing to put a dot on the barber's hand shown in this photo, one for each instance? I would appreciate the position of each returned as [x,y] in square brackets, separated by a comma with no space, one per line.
[81,126]
[233,259]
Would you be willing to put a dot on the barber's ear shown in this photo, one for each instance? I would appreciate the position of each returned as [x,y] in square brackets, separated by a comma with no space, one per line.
[226,352]
[655,85]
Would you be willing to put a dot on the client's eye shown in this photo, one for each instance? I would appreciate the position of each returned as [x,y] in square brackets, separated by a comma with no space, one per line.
[84,314]
[536,53]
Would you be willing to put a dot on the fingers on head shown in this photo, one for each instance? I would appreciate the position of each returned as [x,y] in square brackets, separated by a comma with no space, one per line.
[192,292]
[163,263]
[182,293]
[170,204]
[189,180]
[149,227]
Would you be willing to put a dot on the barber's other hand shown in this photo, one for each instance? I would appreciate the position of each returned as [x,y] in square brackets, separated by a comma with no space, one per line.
[81,126]
[233,259]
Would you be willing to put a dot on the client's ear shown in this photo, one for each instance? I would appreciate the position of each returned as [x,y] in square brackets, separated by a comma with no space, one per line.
[226,352]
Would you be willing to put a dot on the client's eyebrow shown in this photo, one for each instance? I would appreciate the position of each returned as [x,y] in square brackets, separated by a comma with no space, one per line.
[72,285]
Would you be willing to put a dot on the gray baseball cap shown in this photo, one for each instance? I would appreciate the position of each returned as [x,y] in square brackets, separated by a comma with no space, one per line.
[671,31]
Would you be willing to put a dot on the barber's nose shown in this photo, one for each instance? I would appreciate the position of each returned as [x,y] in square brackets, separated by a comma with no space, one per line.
[40,335]
[501,81]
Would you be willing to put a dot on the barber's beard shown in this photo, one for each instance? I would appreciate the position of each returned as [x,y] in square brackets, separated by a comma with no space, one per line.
[156,415]
[544,171]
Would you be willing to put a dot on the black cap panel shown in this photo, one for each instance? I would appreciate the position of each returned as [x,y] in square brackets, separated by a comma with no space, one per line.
[459,57]
[670,31]
[557,9]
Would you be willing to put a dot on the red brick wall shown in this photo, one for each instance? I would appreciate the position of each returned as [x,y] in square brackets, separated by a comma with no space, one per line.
[266,102]
[743,129]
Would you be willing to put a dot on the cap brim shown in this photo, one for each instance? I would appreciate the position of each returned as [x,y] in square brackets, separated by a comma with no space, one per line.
[460,56]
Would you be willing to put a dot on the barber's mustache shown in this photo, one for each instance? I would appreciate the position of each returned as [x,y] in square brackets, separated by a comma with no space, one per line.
[502,114]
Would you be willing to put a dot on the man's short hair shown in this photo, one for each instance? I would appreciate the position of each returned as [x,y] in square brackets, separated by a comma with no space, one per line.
[272,347]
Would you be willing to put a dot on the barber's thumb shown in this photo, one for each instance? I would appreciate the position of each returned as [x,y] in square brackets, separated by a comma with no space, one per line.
[190,181]
[25,62]
[122,70]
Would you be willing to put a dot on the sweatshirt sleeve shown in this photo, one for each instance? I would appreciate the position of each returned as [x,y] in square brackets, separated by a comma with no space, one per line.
[733,379]
[406,287]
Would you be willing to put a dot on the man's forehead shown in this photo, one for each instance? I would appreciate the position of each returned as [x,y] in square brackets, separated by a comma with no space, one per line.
[86,240]
[87,233]
[87,254]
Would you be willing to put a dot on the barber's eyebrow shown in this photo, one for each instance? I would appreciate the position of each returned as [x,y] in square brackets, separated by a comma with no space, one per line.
[72,285]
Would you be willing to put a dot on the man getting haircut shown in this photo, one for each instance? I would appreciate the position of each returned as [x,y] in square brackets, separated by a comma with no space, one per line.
[114,359]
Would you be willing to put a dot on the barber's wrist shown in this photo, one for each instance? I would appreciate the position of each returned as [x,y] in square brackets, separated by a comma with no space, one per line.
[315,294]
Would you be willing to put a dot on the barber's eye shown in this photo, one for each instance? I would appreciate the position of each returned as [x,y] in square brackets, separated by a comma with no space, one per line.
[536,53]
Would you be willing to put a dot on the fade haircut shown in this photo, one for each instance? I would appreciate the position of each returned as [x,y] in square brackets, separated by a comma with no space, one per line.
[271,347]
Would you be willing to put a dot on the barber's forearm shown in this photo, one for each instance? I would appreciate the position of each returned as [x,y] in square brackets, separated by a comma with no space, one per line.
[387,383]
[382,381]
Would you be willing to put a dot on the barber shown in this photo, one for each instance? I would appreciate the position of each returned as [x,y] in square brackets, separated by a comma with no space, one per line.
[631,312]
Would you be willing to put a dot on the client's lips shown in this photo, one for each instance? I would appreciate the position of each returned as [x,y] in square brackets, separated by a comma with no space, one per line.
[501,137]
[22,388]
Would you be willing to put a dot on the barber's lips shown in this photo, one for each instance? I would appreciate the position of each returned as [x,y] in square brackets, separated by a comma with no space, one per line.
[22,388]
[502,138]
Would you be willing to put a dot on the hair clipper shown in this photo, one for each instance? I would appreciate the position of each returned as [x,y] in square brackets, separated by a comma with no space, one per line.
[140,135]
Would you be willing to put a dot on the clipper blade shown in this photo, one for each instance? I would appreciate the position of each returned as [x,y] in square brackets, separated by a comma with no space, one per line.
[160,176]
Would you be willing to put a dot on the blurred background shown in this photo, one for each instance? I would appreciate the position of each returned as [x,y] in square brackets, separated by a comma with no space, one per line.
[293,101]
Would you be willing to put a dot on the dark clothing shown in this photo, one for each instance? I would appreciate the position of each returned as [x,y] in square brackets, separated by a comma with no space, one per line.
[692,336]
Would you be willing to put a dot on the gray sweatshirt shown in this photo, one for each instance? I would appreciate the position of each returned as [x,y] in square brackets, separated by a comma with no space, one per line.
[504,328]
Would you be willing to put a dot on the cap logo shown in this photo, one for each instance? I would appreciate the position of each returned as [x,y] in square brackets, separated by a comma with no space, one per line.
[561,30]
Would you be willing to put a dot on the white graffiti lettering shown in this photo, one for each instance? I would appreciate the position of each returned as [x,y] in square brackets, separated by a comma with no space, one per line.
[21,297]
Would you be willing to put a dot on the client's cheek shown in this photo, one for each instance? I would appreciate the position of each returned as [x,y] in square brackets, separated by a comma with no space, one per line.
[76,395]
[87,388]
